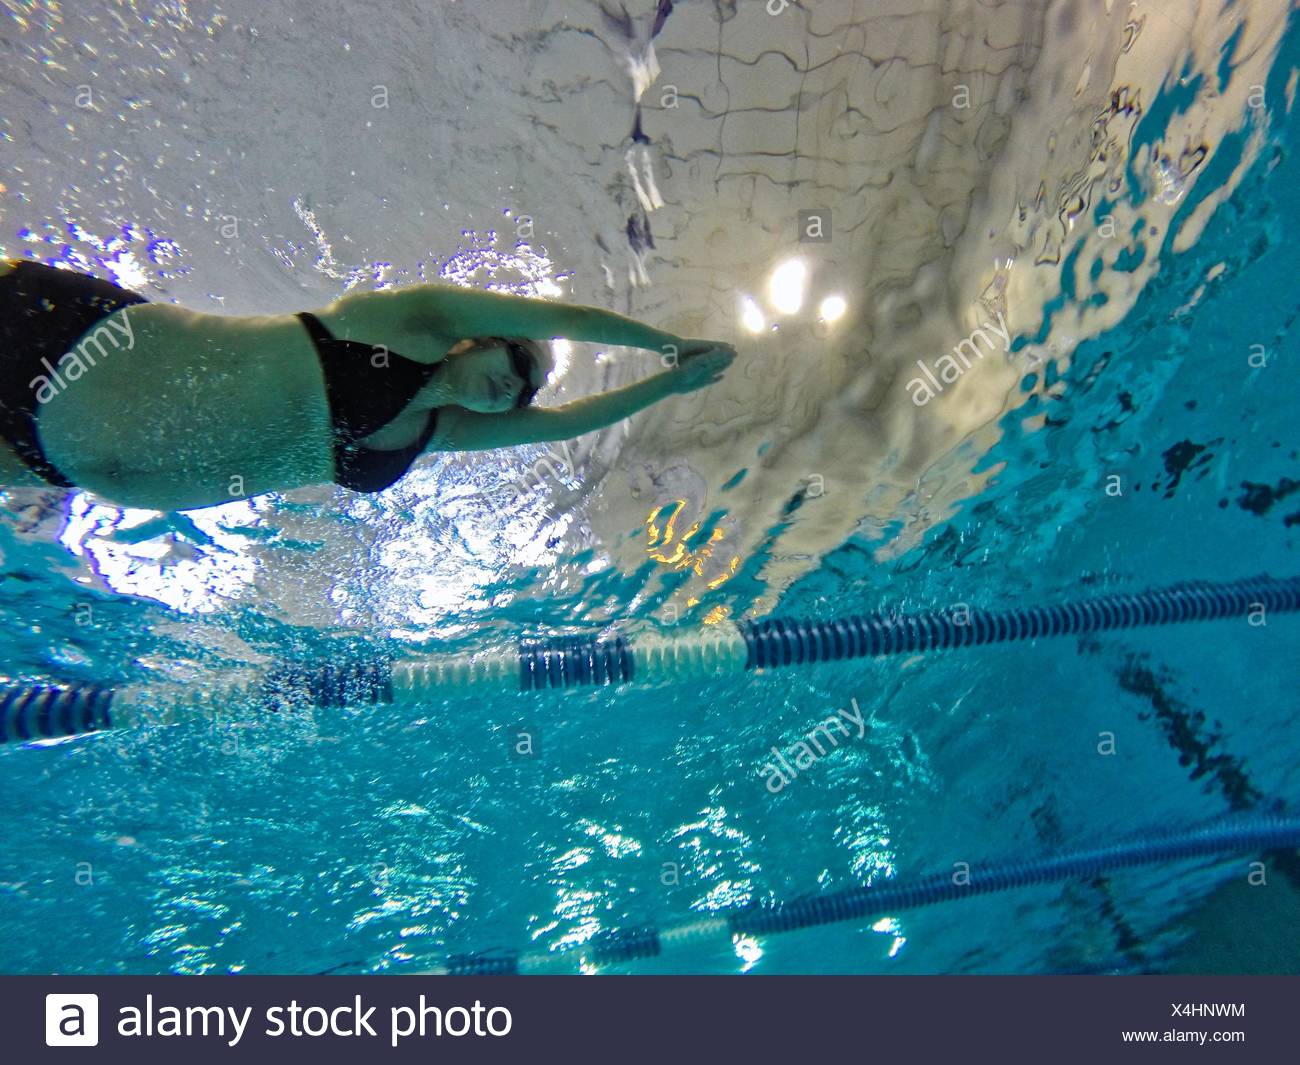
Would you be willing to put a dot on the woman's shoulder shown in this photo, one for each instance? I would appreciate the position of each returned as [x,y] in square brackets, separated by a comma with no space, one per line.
[382,318]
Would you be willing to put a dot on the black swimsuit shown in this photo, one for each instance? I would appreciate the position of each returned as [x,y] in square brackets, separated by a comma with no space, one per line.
[367,387]
[45,311]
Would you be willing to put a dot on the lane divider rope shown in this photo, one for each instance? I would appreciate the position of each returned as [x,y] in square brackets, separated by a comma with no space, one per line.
[34,711]
[868,903]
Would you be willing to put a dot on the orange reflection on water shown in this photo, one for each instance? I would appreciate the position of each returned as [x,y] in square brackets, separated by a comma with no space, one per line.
[667,546]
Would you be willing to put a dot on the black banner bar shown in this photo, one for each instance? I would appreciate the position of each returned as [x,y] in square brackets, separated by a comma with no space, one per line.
[653,1019]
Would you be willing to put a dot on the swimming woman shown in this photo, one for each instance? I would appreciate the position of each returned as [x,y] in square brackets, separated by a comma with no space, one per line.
[154,406]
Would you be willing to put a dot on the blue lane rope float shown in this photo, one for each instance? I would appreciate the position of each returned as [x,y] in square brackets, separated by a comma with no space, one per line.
[34,711]
[888,897]
[567,662]
[45,711]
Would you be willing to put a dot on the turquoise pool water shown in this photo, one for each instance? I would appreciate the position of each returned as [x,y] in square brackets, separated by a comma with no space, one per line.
[379,839]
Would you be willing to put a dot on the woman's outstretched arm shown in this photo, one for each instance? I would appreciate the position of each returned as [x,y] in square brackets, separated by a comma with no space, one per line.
[450,310]
[462,430]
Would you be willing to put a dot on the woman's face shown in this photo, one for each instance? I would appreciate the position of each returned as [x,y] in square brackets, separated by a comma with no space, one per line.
[485,380]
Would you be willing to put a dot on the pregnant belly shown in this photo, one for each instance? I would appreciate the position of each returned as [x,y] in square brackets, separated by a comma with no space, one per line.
[198,410]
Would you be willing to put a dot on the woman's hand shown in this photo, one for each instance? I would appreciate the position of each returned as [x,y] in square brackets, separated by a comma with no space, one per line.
[700,364]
